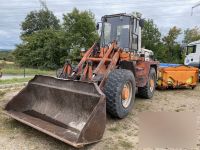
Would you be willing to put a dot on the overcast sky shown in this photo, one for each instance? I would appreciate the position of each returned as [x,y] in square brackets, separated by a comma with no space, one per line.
[165,13]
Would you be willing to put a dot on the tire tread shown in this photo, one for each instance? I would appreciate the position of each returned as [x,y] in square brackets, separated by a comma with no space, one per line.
[111,89]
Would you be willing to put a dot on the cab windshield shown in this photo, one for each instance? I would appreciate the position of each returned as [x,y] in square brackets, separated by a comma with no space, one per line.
[116,28]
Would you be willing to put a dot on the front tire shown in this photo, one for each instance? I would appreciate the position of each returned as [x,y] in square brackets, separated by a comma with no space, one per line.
[120,90]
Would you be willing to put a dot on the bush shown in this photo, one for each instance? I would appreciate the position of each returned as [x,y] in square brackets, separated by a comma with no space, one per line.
[6,55]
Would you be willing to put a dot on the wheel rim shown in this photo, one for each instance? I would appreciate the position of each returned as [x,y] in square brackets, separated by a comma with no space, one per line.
[152,84]
[126,94]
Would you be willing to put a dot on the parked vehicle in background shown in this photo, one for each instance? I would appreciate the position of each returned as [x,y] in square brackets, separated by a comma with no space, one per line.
[177,76]
[193,54]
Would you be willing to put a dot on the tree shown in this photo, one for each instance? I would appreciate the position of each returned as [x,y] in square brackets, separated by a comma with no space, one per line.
[80,27]
[191,35]
[46,45]
[39,20]
[173,48]
[43,49]
[150,34]
[43,43]
[151,39]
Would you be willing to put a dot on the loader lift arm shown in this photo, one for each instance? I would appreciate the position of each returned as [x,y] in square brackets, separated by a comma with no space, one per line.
[96,68]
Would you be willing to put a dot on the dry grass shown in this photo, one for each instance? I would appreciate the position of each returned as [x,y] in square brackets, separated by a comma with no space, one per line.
[6,62]
[2,93]
[125,144]
[114,129]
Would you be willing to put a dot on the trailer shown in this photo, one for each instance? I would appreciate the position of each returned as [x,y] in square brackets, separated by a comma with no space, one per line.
[177,76]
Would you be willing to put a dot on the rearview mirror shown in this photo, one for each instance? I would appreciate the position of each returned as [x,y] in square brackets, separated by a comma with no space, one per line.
[97,26]
[141,23]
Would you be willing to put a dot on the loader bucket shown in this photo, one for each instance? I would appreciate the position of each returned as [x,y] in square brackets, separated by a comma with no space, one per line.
[71,111]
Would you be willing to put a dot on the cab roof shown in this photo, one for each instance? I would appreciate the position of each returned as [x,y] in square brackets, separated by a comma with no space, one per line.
[121,14]
[194,43]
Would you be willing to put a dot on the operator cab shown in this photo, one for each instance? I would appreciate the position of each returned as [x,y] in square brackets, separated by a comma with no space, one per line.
[123,28]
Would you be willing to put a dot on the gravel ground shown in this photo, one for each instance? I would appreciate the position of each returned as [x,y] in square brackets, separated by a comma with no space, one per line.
[119,134]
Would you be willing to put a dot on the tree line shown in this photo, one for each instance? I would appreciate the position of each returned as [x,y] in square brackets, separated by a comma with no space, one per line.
[166,48]
[47,42]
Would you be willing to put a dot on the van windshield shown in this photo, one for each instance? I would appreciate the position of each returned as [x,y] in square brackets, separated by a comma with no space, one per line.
[116,28]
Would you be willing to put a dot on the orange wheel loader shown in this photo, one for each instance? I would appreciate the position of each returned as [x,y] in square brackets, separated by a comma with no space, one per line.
[72,107]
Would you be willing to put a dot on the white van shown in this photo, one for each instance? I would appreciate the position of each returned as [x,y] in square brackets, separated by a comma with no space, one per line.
[193,54]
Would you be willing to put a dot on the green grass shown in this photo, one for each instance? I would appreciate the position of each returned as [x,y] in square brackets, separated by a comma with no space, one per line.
[125,144]
[2,93]
[7,55]
[114,129]
[15,80]
[28,71]
[15,70]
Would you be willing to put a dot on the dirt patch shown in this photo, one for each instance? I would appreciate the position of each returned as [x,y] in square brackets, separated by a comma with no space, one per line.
[119,134]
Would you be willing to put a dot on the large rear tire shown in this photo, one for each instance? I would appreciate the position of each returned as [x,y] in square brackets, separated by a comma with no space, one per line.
[148,90]
[120,90]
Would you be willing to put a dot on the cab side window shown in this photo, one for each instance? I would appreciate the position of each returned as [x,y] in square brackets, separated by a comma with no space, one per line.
[135,34]
[191,49]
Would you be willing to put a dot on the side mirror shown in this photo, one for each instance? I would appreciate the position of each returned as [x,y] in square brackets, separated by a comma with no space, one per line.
[97,26]
[141,23]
